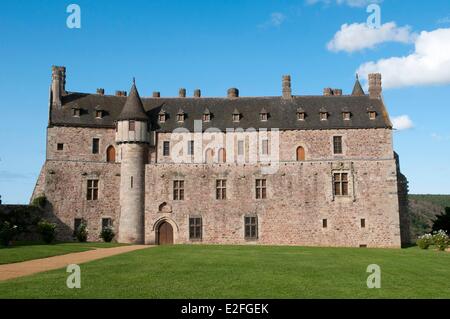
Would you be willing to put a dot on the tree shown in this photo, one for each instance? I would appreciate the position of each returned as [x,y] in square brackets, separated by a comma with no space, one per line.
[442,221]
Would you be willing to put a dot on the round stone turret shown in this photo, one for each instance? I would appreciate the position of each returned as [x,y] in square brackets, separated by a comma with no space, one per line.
[132,136]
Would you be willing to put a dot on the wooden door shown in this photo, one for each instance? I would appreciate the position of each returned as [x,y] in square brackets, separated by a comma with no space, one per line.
[165,234]
[300,154]
[111,154]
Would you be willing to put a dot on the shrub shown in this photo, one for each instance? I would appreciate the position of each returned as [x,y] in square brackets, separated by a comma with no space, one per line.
[39,202]
[441,240]
[47,231]
[425,241]
[442,222]
[107,234]
[7,232]
[82,233]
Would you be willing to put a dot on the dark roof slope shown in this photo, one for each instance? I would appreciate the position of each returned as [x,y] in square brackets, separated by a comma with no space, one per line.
[282,112]
[357,89]
[133,109]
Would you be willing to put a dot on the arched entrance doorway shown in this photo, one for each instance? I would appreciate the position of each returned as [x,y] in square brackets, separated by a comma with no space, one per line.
[165,234]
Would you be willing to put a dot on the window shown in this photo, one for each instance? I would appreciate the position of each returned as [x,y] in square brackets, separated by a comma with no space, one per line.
[76,112]
[178,190]
[132,126]
[77,223]
[236,116]
[222,156]
[180,116]
[324,223]
[263,117]
[99,114]
[95,145]
[131,182]
[221,189]
[323,116]
[340,182]
[372,115]
[301,116]
[111,154]
[106,223]
[363,223]
[300,154]
[190,150]
[195,228]
[166,148]
[251,227]
[60,146]
[337,144]
[261,191]
[346,116]
[240,148]
[265,147]
[206,117]
[162,117]
[92,189]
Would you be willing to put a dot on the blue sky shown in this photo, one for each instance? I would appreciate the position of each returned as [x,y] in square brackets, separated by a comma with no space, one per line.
[217,44]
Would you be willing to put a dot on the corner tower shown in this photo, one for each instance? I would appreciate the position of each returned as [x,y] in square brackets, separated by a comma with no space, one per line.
[132,136]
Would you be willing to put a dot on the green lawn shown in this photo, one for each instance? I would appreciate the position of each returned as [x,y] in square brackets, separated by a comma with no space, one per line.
[22,251]
[247,272]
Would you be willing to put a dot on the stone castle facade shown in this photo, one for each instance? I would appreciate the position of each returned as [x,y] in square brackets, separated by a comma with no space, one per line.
[287,170]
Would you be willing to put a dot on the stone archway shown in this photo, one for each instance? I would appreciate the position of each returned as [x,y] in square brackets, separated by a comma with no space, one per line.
[164,234]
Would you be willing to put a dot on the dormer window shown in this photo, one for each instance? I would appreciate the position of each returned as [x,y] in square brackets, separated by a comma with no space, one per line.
[372,115]
[98,114]
[263,115]
[236,116]
[323,116]
[301,115]
[162,116]
[206,115]
[346,116]
[76,111]
[180,116]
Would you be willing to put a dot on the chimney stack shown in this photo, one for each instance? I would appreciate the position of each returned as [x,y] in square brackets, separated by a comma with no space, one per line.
[156,94]
[182,92]
[375,87]
[58,84]
[287,91]
[337,92]
[197,93]
[327,92]
[233,93]
[121,93]
[101,91]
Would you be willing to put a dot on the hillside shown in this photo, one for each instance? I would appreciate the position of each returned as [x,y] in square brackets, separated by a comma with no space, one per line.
[423,209]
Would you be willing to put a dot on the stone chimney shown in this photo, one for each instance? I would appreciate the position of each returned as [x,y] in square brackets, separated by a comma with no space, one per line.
[375,87]
[156,94]
[197,93]
[287,90]
[101,91]
[337,92]
[327,92]
[121,93]
[58,88]
[182,92]
[233,93]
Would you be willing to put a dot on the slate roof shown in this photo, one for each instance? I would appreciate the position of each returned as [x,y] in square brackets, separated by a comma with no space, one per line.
[282,112]
[357,88]
[133,109]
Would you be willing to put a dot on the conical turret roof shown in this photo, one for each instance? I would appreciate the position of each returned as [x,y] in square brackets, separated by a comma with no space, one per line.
[133,108]
[357,88]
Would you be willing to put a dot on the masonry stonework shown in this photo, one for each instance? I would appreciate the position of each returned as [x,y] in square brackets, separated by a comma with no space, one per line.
[301,205]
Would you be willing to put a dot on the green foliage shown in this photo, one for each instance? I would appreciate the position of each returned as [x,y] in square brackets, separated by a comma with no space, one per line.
[442,222]
[47,231]
[81,233]
[423,210]
[425,241]
[39,202]
[7,232]
[107,234]
[441,240]
[24,217]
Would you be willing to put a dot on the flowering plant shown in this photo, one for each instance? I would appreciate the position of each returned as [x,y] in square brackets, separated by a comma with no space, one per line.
[441,240]
[425,241]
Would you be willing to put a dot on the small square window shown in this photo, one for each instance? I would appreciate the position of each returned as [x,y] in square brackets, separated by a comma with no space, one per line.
[236,117]
[346,116]
[76,112]
[263,117]
[162,117]
[106,223]
[323,116]
[99,114]
[372,115]
[206,117]
[261,189]
[301,116]
[60,146]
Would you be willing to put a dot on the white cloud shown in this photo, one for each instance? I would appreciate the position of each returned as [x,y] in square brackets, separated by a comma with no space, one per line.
[429,64]
[444,20]
[359,36]
[402,122]
[350,3]
[276,19]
